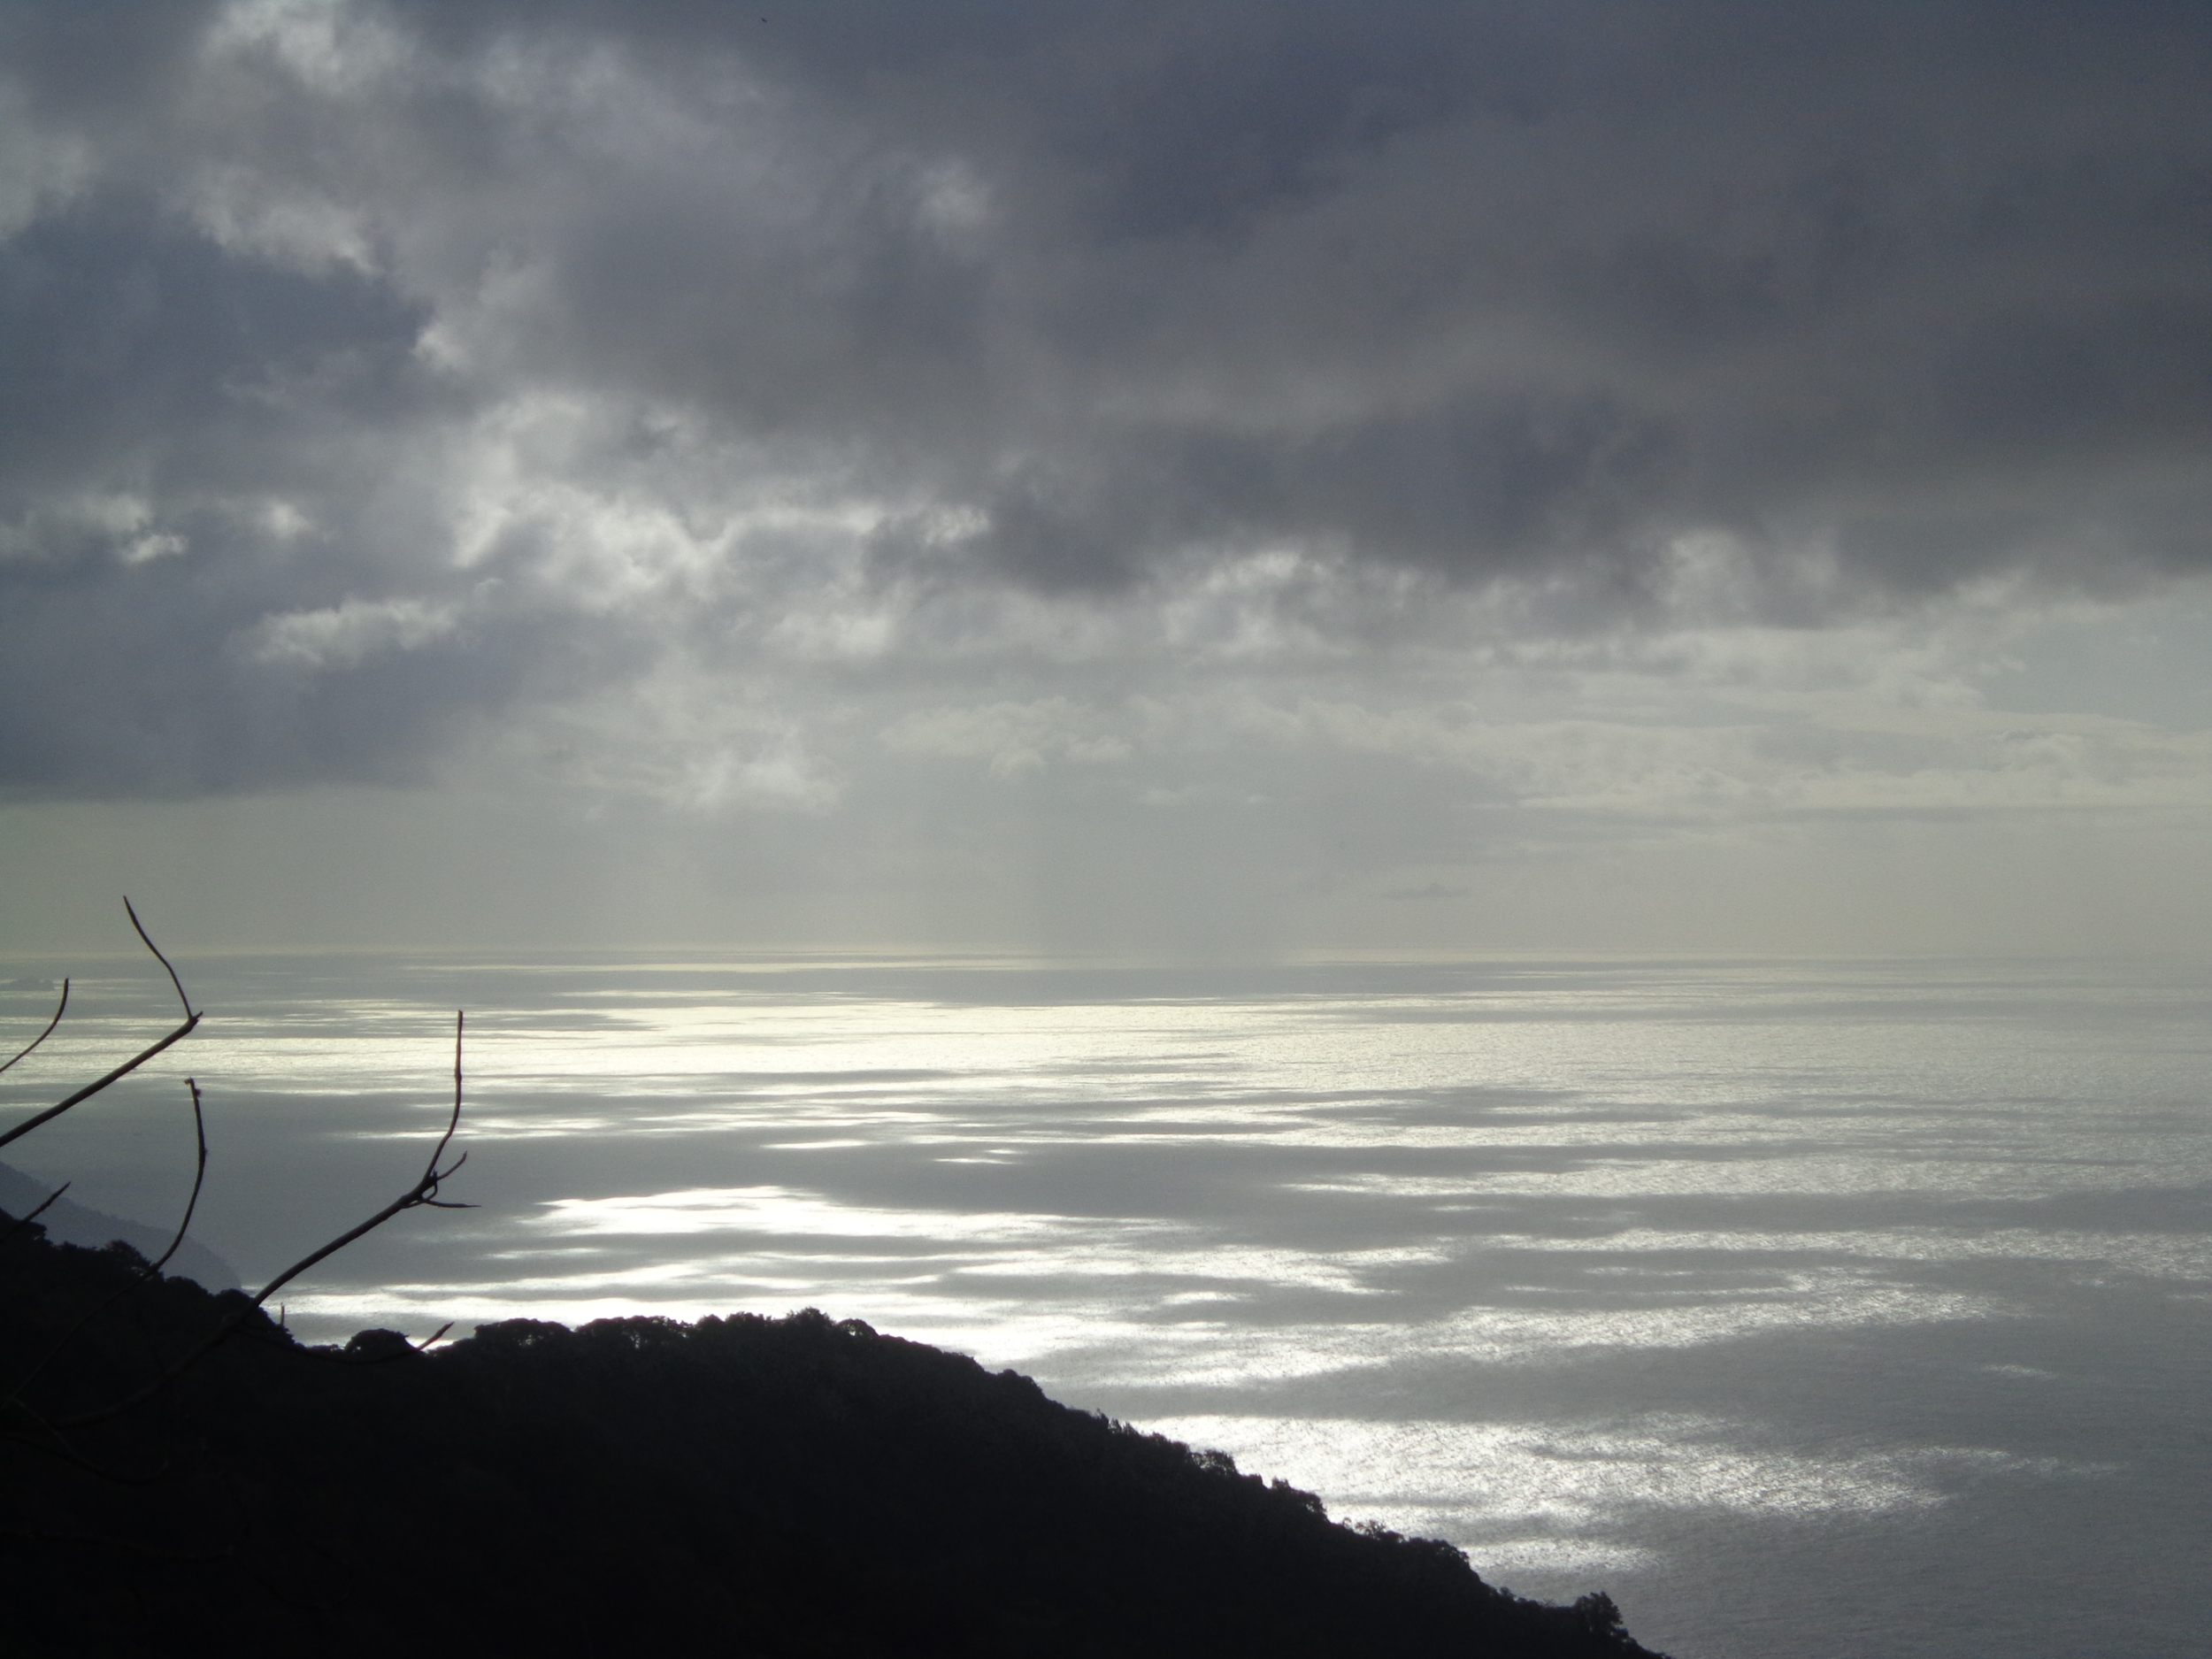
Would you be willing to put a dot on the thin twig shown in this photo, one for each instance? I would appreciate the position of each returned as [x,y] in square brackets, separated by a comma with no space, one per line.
[22,1222]
[59,1010]
[191,1019]
[90,1089]
[199,1175]
[152,1270]
[425,1191]
[150,944]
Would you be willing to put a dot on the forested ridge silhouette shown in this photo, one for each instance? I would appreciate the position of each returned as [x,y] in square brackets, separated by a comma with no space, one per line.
[743,1485]
[178,1474]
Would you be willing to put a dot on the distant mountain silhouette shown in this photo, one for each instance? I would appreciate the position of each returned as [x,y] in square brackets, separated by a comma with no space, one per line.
[745,1486]
[68,1222]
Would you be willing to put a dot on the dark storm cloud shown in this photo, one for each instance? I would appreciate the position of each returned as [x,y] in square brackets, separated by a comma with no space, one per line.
[1078,297]
[1469,287]
[138,351]
[155,396]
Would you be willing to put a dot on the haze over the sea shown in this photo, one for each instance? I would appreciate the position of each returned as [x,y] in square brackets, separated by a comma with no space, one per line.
[1313,504]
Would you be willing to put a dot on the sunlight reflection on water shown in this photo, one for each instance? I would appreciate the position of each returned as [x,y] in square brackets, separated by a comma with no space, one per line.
[1669,1274]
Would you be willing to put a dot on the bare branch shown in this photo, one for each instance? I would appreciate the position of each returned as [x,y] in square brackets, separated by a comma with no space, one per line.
[90,1089]
[60,1008]
[150,945]
[22,1222]
[425,1191]
[152,1270]
[199,1175]
[191,1021]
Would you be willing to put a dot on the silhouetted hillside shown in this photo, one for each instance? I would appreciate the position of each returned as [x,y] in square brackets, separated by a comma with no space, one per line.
[741,1487]
[68,1222]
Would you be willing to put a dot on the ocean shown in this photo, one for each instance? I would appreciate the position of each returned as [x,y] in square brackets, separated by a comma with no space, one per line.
[1816,1310]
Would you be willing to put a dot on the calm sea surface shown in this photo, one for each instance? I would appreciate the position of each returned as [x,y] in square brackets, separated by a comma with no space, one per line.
[1817,1311]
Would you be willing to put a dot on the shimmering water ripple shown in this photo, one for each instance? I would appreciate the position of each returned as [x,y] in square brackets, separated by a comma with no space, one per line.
[1815,1311]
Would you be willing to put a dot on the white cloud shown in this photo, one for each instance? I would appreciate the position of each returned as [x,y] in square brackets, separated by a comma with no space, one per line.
[345,636]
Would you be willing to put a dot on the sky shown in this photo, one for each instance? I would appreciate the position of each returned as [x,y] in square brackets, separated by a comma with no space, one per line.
[1094,476]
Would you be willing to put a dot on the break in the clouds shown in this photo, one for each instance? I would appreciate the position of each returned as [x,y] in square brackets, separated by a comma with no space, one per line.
[732,406]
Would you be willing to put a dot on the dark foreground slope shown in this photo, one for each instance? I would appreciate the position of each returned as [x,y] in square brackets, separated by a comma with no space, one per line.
[739,1487]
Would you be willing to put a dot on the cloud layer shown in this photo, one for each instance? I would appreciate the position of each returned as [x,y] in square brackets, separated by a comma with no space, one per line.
[382,381]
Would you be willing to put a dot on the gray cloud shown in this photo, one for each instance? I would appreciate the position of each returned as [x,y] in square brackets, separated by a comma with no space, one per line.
[368,373]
